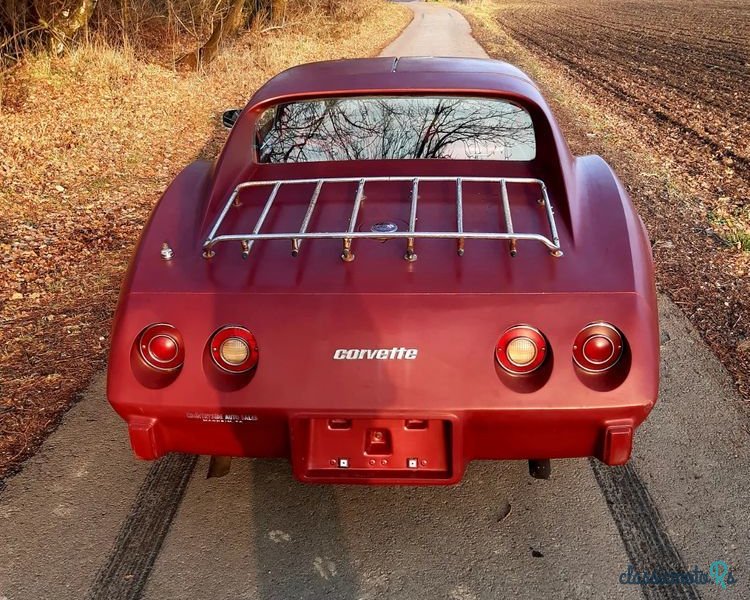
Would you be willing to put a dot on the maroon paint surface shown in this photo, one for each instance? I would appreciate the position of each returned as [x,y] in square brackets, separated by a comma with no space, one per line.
[451,309]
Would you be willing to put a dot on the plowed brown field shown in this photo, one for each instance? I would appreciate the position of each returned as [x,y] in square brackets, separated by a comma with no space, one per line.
[685,65]
[662,89]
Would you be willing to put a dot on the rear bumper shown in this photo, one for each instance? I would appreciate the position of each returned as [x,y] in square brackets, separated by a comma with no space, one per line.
[558,412]
[442,444]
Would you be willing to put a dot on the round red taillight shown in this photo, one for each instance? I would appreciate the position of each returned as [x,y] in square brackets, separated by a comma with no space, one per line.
[521,349]
[598,347]
[161,348]
[234,349]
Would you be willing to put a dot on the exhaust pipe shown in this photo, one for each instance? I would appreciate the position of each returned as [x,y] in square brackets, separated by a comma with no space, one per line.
[540,469]
[218,466]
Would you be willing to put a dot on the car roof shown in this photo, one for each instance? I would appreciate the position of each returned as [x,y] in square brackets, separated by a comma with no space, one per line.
[399,75]
[393,76]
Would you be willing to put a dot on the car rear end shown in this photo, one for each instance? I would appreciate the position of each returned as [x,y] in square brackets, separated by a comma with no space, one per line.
[391,367]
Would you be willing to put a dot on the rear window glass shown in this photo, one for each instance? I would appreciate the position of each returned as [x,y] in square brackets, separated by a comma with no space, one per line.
[337,129]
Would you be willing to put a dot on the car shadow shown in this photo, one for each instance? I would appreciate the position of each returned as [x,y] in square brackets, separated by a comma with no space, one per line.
[298,539]
[351,541]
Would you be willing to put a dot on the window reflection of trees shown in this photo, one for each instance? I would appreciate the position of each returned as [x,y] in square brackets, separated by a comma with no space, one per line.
[398,128]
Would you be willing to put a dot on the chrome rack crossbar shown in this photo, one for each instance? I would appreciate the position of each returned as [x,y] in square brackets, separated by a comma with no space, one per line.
[551,219]
[508,218]
[460,215]
[410,255]
[208,248]
[460,235]
[247,243]
[346,254]
[296,242]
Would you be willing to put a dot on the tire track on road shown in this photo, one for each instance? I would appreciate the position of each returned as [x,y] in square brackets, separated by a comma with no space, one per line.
[642,529]
[125,572]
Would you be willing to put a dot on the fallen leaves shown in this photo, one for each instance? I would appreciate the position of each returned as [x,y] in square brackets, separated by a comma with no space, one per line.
[79,177]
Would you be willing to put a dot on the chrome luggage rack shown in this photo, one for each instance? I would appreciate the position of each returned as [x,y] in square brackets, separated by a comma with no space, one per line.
[246,240]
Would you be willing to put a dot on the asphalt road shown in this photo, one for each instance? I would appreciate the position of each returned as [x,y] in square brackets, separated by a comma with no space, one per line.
[86,520]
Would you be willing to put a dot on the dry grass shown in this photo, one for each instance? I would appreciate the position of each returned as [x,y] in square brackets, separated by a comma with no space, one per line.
[87,143]
[700,239]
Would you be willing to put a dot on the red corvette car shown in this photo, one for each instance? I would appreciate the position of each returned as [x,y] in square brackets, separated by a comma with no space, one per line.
[394,267]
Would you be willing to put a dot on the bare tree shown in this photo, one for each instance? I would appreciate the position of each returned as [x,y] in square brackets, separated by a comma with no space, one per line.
[278,10]
[399,128]
[61,20]
[57,22]
[225,26]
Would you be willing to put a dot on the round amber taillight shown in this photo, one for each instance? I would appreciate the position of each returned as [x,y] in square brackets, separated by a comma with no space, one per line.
[234,349]
[521,349]
[598,347]
[161,347]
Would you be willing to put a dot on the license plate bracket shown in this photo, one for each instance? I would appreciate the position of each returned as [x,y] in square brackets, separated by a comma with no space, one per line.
[351,448]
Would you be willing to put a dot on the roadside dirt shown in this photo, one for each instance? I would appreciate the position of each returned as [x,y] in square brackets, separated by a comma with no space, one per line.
[658,89]
[87,144]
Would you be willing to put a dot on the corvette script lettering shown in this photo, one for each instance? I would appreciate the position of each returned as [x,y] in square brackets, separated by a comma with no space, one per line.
[375,354]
